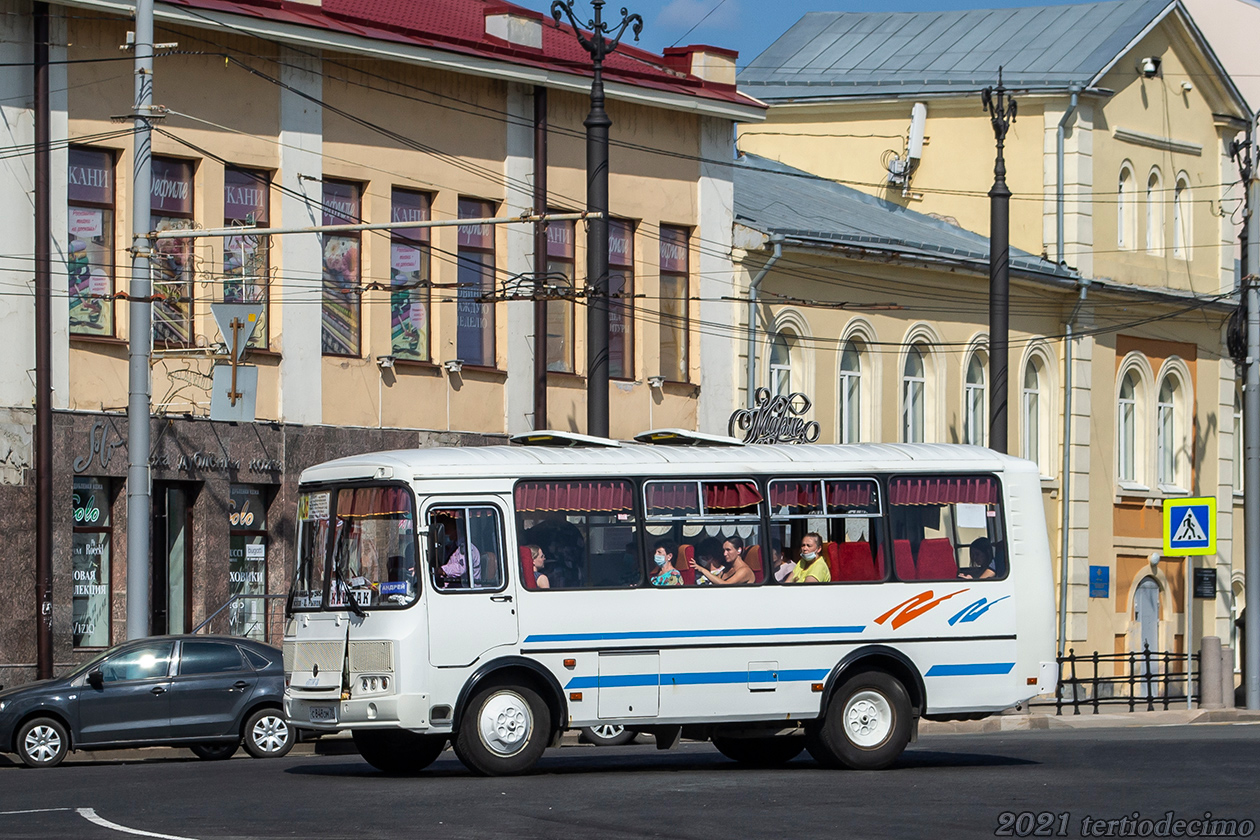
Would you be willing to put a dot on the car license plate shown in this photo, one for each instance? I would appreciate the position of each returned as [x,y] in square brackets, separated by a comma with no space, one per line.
[323,714]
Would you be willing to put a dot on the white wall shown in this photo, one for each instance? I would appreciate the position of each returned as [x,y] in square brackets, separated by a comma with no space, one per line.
[719,337]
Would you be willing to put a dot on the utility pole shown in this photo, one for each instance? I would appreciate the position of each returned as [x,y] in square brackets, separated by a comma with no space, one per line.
[43,353]
[1251,417]
[140,325]
[597,124]
[1001,108]
[540,258]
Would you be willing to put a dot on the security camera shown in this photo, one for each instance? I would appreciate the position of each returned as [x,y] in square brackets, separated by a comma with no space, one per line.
[1149,66]
[1187,87]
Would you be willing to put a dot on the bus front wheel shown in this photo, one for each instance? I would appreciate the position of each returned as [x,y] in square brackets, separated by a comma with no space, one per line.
[866,726]
[504,731]
[397,751]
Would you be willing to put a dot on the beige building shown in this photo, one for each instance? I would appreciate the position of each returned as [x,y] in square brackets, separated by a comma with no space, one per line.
[882,291]
[291,115]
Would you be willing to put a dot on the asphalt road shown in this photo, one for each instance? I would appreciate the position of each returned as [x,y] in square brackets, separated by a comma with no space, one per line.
[944,786]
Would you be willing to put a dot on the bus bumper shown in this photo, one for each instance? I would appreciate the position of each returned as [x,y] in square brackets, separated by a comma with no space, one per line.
[325,715]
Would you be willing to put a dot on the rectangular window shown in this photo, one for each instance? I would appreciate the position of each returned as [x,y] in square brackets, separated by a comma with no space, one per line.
[844,514]
[560,272]
[675,292]
[313,528]
[466,547]
[342,270]
[621,299]
[90,252]
[247,258]
[374,547]
[586,532]
[90,558]
[711,529]
[409,277]
[947,528]
[172,209]
[247,561]
[474,330]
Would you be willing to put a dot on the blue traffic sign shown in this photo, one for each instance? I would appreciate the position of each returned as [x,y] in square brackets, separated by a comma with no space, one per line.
[1190,526]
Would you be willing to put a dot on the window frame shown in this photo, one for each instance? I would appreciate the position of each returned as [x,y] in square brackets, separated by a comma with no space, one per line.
[107,487]
[1126,208]
[354,289]
[851,384]
[109,237]
[477,255]
[976,401]
[261,337]
[622,302]
[1183,217]
[878,532]
[245,665]
[433,503]
[1156,216]
[1004,528]
[189,284]
[421,241]
[680,323]
[907,381]
[565,361]
[1127,444]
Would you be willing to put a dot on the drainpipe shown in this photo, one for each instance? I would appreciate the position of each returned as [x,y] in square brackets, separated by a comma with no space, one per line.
[1058,153]
[752,316]
[1065,490]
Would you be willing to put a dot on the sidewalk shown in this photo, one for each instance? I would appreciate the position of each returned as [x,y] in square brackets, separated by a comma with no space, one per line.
[1042,719]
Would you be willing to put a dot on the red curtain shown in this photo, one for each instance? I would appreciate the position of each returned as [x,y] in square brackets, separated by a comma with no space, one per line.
[795,494]
[850,494]
[672,497]
[730,495]
[595,496]
[973,490]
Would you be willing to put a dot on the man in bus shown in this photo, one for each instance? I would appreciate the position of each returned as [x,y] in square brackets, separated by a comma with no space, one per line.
[812,566]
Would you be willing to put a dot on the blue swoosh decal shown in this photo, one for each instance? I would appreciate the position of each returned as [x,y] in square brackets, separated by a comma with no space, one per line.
[978,669]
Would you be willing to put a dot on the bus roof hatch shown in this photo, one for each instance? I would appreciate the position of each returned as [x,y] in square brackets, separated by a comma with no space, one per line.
[553,437]
[683,437]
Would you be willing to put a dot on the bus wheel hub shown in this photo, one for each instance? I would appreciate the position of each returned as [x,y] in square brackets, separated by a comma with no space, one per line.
[868,718]
[505,723]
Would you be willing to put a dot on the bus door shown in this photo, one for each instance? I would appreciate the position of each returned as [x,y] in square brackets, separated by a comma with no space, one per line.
[472,609]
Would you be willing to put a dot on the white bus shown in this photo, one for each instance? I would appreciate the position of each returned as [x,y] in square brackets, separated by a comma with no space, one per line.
[418,614]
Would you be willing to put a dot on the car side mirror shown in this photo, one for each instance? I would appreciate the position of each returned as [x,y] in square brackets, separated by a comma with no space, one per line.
[96,679]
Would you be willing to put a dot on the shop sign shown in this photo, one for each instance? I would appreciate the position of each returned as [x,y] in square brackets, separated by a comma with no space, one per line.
[99,447]
[777,419]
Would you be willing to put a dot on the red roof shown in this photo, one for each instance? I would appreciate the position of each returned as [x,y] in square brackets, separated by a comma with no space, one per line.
[459,26]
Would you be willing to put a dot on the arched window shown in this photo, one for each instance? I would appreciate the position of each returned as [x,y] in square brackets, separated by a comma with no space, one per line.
[975,410]
[1126,210]
[1127,427]
[1168,432]
[850,393]
[1182,209]
[913,396]
[1154,213]
[1031,412]
[1238,443]
[780,364]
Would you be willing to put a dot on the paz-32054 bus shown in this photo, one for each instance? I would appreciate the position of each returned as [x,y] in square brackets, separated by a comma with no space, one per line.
[772,599]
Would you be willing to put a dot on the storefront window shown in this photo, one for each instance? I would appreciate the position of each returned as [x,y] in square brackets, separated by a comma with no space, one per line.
[247,566]
[90,559]
[341,270]
[409,278]
[247,258]
[90,252]
[172,207]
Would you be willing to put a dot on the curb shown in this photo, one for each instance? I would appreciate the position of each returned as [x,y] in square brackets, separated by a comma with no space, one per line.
[1088,720]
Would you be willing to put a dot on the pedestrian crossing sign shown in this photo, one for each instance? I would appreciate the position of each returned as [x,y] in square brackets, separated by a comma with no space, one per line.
[1190,526]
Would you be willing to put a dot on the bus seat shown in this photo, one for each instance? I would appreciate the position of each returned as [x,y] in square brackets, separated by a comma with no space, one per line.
[752,556]
[855,561]
[903,560]
[936,560]
[880,571]
[685,553]
[527,569]
[832,552]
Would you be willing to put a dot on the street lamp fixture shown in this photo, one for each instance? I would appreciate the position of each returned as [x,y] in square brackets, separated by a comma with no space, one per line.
[1001,108]
[599,45]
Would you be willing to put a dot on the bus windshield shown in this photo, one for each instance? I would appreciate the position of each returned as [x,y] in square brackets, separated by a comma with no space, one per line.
[368,536]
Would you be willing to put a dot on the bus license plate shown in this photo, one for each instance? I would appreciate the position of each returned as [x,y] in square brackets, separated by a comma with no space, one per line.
[323,714]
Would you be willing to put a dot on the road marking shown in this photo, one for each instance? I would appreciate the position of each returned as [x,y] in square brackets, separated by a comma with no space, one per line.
[32,811]
[90,815]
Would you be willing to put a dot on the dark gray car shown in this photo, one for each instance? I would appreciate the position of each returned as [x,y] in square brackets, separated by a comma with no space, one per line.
[208,693]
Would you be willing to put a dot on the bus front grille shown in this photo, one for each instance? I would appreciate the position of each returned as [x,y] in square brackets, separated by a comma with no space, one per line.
[372,657]
[327,655]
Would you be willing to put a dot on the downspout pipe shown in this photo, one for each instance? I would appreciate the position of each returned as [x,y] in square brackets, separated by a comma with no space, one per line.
[777,241]
[1058,154]
[1065,490]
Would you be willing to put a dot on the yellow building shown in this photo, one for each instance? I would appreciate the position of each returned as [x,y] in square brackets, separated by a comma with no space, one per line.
[1127,303]
[296,114]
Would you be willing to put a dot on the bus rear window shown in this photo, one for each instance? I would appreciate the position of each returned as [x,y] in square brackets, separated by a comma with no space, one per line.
[947,528]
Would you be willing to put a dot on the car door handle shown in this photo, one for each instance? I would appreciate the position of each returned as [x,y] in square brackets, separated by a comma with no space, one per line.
[239,685]
[157,689]
[502,599]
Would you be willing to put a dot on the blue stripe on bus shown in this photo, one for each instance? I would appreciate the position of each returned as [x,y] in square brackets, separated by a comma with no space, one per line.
[978,669]
[697,678]
[686,634]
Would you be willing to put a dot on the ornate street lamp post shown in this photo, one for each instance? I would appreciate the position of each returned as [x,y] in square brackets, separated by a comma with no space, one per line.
[1001,108]
[597,124]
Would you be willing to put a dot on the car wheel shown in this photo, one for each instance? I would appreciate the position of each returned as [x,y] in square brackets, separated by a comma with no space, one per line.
[397,751]
[42,742]
[268,734]
[504,731]
[607,735]
[214,752]
[771,751]
[867,724]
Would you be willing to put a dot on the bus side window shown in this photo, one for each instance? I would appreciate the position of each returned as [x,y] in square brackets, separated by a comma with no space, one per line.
[466,547]
[586,530]
[844,513]
[947,527]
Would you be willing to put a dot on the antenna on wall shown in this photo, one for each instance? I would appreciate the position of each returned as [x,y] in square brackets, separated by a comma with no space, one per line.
[901,167]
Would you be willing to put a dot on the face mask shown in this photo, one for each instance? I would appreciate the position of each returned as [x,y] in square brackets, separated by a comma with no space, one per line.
[808,555]
[659,558]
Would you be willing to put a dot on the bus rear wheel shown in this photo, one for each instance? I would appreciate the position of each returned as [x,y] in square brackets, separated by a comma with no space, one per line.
[397,751]
[771,751]
[504,731]
[866,726]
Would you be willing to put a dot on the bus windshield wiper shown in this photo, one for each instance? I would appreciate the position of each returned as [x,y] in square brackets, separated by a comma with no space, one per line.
[351,603]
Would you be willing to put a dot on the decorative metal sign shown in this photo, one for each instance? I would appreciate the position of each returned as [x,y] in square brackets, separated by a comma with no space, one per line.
[775,420]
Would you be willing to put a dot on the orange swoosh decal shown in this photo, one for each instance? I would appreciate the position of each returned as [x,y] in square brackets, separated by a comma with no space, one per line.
[912,608]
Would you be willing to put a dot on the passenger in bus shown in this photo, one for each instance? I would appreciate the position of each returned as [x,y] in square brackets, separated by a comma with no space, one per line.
[707,556]
[540,580]
[663,554]
[812,567]
[457,563]
[983,562]
[733,569]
